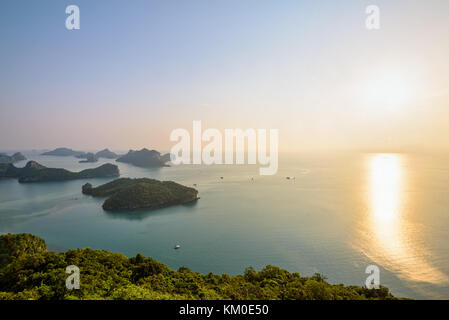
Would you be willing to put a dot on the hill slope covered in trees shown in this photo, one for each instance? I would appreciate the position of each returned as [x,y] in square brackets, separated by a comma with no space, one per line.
[29,271]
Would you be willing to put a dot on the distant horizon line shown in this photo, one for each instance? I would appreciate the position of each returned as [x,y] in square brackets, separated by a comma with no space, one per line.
[296,150]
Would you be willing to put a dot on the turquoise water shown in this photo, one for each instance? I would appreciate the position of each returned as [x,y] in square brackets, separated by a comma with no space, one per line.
[340,214]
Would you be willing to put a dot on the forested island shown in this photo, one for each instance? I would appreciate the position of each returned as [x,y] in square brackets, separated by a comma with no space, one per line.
[145,158]
[88,158]
[35,172]
[29,271]
[16,157]
[107,154]
[140,158]
[63,152]
[134,194]
[67,152]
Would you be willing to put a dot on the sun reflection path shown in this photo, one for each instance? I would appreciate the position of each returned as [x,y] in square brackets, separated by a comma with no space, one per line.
[390,238]
[386,179]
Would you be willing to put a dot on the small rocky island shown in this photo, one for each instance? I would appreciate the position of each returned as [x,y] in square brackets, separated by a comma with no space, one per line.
[107,154]
[63,152]
[88,158]
[127,194]
[35,172]
[16,157]
[145,158]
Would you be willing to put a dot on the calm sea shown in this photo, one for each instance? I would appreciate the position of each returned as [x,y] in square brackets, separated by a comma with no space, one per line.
[338,215]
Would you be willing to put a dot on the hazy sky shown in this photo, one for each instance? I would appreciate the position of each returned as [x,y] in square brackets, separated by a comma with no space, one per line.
[136,70]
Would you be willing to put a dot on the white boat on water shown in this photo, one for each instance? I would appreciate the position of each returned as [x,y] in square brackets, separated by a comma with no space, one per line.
[177,246]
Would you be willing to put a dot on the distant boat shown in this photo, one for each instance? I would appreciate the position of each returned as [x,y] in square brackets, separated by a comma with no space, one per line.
[221,178]
[177,246]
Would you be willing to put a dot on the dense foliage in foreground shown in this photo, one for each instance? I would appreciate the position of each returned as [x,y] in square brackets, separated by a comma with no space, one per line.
[29,271]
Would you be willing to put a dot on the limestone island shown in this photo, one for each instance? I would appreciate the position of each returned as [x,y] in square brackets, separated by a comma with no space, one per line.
[16,157]
[127,194]
[107,154]
[88,158]
[35,172]
[63,152]
[145,158]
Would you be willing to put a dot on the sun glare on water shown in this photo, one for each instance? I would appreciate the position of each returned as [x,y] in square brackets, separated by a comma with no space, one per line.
[385,187]
[390,238]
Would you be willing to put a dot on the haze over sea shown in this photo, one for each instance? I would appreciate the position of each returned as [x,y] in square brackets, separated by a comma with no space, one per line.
[341,213]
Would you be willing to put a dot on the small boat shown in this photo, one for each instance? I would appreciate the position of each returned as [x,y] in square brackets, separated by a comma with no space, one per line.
[177,246]
[221,178]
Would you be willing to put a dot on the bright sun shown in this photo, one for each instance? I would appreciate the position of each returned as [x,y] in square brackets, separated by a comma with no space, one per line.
[387,91]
